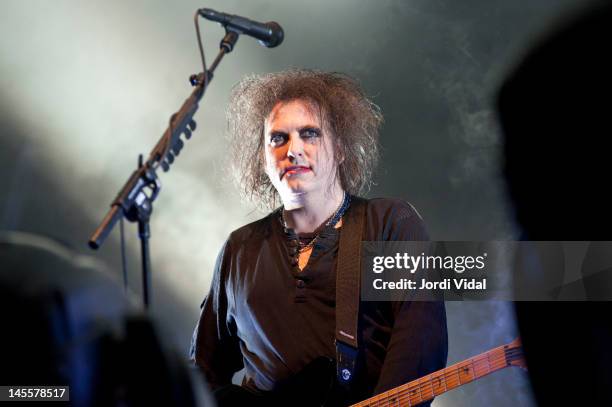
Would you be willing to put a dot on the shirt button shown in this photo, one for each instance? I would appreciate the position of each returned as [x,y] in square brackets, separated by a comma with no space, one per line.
[300,283]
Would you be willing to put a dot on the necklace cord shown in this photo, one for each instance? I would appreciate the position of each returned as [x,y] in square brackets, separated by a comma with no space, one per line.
[331,221]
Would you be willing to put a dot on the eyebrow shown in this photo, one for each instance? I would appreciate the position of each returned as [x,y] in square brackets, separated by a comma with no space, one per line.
[300,130]
[304,128]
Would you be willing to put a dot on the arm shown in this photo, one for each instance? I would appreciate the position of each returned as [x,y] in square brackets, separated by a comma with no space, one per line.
[419,341]
[418,344]
[215,346]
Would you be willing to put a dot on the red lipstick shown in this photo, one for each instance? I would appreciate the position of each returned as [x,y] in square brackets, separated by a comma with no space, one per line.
[295,169]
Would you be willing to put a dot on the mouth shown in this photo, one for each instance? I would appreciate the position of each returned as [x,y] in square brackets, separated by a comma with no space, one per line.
[295,169]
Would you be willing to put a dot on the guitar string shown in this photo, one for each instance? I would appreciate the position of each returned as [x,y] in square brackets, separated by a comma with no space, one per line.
[407,393]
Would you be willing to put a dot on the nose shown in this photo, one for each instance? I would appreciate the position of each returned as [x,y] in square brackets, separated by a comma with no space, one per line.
[295,147]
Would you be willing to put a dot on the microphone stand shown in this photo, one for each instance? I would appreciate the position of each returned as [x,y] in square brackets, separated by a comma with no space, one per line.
[136,197]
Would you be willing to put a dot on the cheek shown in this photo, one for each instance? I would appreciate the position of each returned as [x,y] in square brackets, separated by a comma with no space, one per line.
[271,155]
[325,159]
[270,161]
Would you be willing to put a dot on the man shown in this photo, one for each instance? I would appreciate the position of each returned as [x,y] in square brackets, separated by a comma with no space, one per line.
[307,140]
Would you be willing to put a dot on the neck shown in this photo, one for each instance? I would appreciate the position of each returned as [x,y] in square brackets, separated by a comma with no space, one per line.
[304,213]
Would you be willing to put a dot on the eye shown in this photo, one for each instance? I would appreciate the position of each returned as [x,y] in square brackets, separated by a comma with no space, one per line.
[310,133]
[277,139]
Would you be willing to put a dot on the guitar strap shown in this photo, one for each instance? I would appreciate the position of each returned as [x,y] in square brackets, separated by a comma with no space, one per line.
[348,277]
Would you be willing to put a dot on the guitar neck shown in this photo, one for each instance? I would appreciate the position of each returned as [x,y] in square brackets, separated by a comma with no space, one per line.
[434,384]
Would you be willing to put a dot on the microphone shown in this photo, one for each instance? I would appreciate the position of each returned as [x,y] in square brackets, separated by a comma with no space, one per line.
[269,34]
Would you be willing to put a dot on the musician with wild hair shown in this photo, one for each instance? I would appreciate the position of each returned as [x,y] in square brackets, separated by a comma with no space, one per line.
[304,146]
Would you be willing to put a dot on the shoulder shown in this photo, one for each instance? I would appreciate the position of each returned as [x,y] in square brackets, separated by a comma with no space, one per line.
[392,208]
[245,241]
[393,219]
[257,230]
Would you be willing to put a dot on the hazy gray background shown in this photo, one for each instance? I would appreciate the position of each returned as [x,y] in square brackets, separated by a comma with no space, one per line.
[87,86]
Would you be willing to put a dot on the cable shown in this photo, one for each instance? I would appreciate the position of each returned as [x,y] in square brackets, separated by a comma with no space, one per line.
[201,48]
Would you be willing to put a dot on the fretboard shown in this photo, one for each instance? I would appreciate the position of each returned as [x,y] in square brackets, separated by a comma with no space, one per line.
[434,384]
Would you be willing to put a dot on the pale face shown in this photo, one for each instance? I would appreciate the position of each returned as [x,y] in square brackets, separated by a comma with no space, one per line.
[299,154]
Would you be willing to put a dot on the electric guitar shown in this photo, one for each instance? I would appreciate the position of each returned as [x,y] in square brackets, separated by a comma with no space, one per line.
[300,391]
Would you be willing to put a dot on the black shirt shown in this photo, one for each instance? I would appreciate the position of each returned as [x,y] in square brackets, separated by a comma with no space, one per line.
[266,315]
